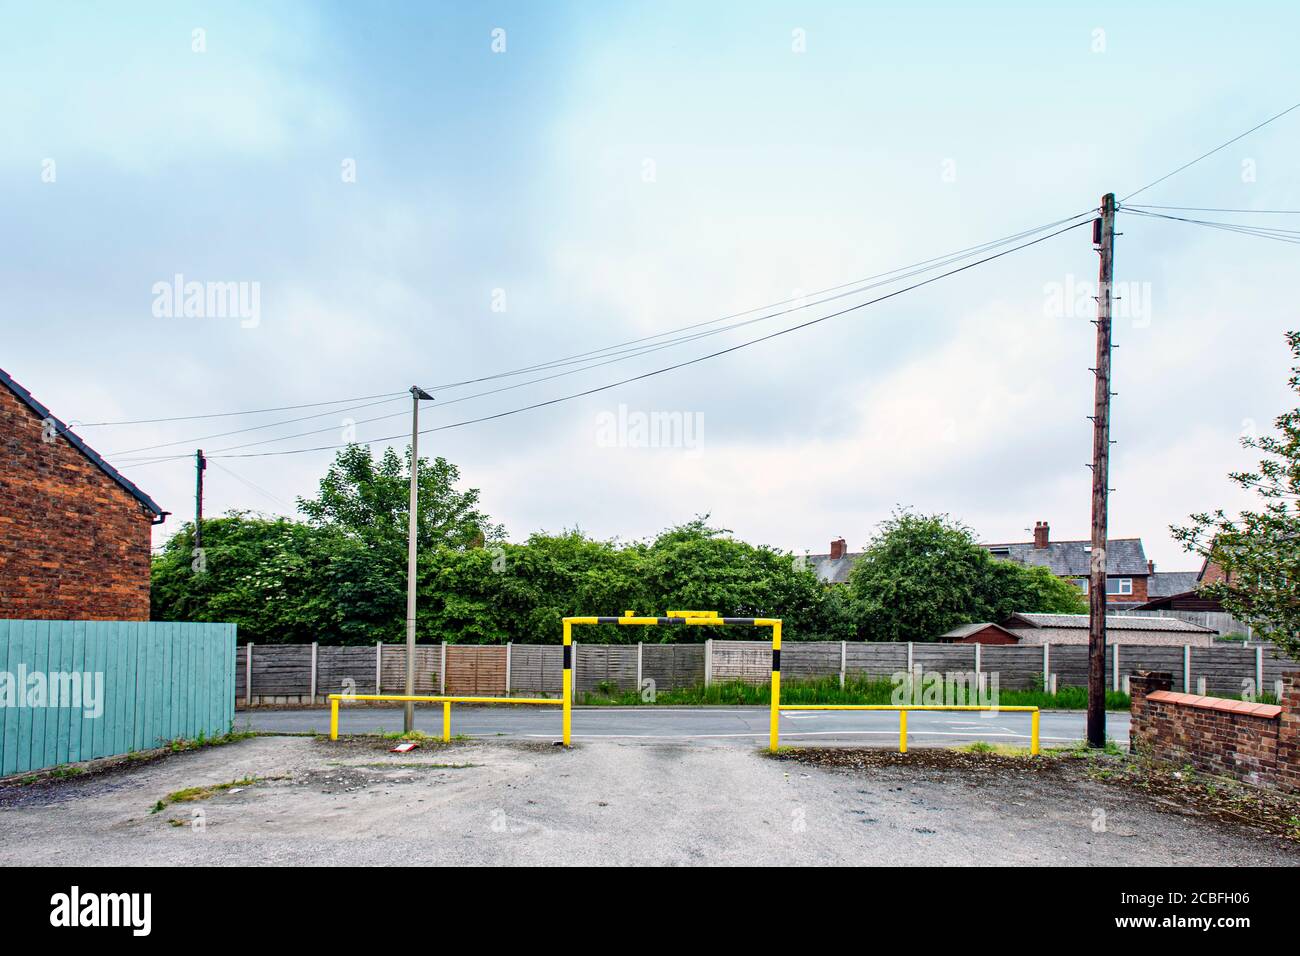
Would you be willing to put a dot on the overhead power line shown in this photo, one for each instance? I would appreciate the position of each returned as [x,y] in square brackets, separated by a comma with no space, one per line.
[1262,232]
[251,411]
[632,349]
[1270,212]
[1206,155]
[678,365]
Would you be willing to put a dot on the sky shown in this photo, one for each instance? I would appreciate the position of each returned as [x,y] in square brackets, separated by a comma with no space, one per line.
[434,193]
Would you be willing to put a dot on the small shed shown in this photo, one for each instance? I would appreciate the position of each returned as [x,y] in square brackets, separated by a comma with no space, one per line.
[982,633]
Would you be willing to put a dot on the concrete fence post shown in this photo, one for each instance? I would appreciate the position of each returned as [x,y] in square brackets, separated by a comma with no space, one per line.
[442,669]
[708,662]
[1047,664]
[1114,666]
[844,661]
[1259,671]
[909,657]
[312,695]
[1187,668]
[379,667]
[509,645]
[1201,685]
[248,675]
[977,662]
[639,671]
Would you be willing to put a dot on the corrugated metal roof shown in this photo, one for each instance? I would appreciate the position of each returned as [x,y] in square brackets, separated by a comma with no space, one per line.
[1072,558]
[967,629]
[76,442]
[1115,622]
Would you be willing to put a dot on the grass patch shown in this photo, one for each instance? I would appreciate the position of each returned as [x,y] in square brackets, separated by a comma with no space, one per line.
[1002,750]
[828,691]
[191,794]
[420,737]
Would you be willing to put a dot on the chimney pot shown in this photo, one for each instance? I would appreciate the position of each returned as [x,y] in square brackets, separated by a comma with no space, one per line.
[837,549]
[1041,536]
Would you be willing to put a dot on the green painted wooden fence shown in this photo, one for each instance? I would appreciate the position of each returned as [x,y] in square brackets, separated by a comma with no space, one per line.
[139,685]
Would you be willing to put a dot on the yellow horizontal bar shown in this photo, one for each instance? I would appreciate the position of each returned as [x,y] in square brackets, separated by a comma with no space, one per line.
[581,620]
[766,621]
[1025,709]
[446,699]
[693,614]
[638,620]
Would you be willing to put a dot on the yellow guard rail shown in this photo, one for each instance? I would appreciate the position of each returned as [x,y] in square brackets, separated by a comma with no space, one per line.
[774,736]
[446,701]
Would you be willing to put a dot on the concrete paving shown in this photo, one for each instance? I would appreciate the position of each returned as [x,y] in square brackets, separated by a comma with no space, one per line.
[741,725]
[294,801]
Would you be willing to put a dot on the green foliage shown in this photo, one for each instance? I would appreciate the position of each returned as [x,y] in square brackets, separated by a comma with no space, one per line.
[923,575]
[1259,551]
[364,498]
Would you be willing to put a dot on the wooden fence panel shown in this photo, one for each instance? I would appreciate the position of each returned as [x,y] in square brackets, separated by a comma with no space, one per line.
[606,666]
[110,687]
[809,660]
[340,669]
[536,668]
[476,670]
[875,661]
[673,666]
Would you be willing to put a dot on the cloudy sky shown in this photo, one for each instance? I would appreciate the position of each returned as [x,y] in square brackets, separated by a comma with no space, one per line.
[432,193]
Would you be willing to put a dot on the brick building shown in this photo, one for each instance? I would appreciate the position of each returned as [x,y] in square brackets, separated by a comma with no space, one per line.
[1131,580]
[74,534]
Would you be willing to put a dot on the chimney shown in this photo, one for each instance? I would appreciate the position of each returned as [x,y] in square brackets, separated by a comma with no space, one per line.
[837,549]
[1151,567]
[1040,534]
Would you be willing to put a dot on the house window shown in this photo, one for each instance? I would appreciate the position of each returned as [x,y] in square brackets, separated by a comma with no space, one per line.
[1082,583]
[1119,585]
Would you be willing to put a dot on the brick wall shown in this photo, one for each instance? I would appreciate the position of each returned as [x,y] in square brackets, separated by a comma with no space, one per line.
[74,544]
[1257,743]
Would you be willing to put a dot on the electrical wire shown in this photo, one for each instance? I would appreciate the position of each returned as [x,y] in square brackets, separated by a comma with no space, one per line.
[693,361]
[1234,139]
[253,411]
[1262,232]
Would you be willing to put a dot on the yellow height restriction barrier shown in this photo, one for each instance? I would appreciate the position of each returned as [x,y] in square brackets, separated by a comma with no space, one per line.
[777,706]
[446,702]
[677,618]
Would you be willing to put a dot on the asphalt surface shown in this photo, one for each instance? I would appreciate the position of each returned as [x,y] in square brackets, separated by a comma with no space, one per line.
[740,725]
[306,801]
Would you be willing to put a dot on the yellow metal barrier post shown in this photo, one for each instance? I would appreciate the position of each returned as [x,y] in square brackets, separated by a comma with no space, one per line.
[902,731]
[774,732]
[334,718]
[446,721]
[567,686]
[1033,733]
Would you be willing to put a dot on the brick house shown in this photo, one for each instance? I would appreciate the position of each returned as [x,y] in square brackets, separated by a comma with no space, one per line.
[74,533]
[1127,568]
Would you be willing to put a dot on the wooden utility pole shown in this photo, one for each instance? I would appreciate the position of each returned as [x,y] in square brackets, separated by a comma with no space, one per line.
[1104,239]
[200,466]
[412,526]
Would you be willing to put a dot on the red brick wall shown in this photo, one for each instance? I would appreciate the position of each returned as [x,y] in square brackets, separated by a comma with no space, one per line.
[74,544]
[1257,743]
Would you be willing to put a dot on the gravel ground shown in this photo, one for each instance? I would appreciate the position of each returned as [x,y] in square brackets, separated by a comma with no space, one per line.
[520,802]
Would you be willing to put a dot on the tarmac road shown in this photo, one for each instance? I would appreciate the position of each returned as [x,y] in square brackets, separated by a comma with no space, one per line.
[741,725]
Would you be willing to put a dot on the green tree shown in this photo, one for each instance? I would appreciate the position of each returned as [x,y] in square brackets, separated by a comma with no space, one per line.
[1259,551]
[923,575]
[370,499]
